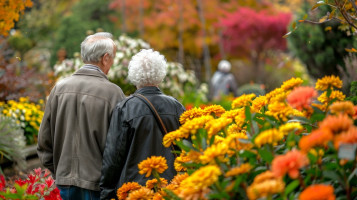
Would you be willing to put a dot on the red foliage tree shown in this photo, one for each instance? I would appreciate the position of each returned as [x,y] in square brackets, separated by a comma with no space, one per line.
[250,33]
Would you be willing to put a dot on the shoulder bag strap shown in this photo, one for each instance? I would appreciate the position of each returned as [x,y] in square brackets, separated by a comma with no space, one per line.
[156,115]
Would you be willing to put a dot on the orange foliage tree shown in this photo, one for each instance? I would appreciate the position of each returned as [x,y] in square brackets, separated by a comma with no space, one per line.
[10,11]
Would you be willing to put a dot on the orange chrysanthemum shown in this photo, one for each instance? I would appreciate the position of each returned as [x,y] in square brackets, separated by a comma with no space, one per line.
[183,158]
[123,191]
[140,194]
[328,82]
[337,124]
[343,107]
[157,163]
[348,137]
[178,179]
[244,168]
[301,97]
[153,182]
[318,137]
[319,191]
[289,163]
[217,110]
[258,103]
[265,184]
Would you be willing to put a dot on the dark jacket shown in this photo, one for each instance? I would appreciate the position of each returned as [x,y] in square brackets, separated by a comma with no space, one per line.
[134,135]
[74,127]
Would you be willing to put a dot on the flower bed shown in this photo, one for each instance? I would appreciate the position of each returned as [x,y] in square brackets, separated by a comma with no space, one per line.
[289,144]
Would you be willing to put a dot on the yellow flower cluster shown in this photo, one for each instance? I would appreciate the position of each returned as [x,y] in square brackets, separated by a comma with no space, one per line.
[289,127]
[199,180]
[183,158]
[190,127]
[291,83]
[217,110]
[271,136]
[328,82]
[258,103]
[28,115]
[344,107]
[265,184]
[243,100]
[213,152]
[191,114]
[335,94]
[214,126]
[282,111]
[233,142]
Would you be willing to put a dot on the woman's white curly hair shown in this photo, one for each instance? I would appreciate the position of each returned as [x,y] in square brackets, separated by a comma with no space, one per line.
[147,68]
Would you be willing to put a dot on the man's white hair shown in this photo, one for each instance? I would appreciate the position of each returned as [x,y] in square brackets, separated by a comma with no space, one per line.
[224,66]
[147,68]
[95,46]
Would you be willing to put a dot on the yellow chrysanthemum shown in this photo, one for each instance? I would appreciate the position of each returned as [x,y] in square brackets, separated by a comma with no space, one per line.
[183,158]
[141,194]
[271,136]
[190,127]
[157,196]
[191,114]
[194,156]
[214,126]
[243,100]
[244,168]
[213,152]
[274,93]
[157,163]
[258,103]
[279,97]
[200,179]
[234,142]
[233,113]
[171,137]
[123,191]
[335,94]
[328,82]
[217,110]
[233,129]
[178,179]
[288,127]
[291,83]
[282,111]
[153,182]
[344,107]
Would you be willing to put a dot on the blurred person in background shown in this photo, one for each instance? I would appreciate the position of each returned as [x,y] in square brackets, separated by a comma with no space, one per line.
[222,82]
[73,131]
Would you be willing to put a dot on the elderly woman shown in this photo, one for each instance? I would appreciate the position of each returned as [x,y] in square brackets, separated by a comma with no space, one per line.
[135,132]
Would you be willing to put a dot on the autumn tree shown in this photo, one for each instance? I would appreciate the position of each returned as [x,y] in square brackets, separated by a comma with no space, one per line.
[183,29]
[10,11]
[253,34]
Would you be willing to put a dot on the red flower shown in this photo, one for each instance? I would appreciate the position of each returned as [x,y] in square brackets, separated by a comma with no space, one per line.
[289,163]
[301,97]
[49,181]
[2,183]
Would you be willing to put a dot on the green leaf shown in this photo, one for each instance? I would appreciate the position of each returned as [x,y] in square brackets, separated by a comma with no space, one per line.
[354,173]
[266,155]
[305,16]
[332,175]
[182,146]
[248,154]
[294,25]
[291,187]
[248,114]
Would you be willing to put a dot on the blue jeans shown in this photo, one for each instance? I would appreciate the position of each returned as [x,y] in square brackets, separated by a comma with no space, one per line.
[76,193]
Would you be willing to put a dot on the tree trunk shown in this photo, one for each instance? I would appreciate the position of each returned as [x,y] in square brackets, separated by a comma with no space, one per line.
[141,16]
[180,34]
[123,21]
[206,52]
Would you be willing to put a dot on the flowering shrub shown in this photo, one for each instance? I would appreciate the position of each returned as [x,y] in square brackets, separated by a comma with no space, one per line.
[37,185]
[177,82]
[28,115]
[277,146]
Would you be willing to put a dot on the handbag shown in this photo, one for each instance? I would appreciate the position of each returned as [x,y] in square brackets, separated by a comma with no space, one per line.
[157,117]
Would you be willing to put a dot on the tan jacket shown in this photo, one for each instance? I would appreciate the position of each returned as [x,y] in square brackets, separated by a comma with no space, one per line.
[73,131]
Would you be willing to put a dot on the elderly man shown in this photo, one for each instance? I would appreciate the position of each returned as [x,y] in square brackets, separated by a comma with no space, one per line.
[136,131]
[73,131]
